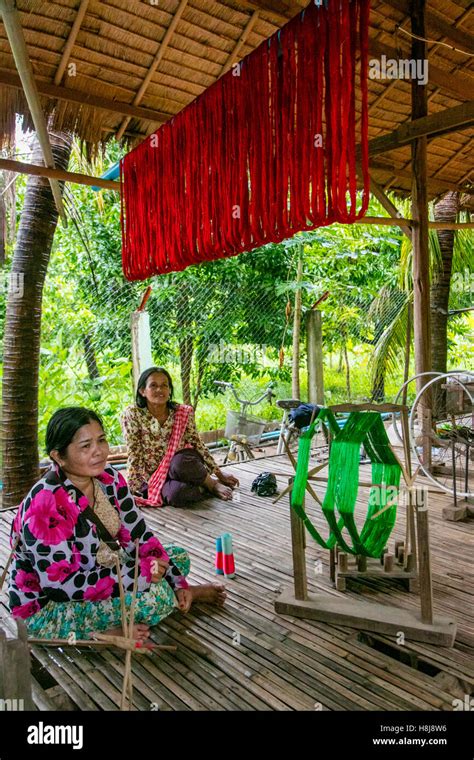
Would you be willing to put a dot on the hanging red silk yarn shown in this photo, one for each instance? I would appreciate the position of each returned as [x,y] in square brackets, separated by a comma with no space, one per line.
[265,152]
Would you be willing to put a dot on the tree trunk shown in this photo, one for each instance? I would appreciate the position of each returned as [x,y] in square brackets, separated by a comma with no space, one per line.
[295,383]
[185,357]
[378,388]
[341,360]
[185,342]
[348,373]
[89,354]
[446,210]
[23,329]
[3,218]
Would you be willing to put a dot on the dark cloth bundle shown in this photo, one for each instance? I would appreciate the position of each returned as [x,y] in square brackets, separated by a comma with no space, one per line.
[301,416]
[265,484]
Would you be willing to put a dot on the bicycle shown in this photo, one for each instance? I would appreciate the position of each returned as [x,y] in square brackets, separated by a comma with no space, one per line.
[242,429]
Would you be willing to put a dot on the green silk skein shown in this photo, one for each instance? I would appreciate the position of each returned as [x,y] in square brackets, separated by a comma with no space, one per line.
[343,483]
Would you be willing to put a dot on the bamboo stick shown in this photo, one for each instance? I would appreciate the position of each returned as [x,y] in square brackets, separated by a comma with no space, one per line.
[131,623]
[9,561]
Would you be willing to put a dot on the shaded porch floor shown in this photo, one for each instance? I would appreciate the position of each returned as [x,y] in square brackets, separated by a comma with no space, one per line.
[246,657]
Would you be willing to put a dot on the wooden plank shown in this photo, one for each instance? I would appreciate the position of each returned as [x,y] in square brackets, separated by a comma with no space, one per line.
[369,617]
[286,663]
[436,124]
[71,686]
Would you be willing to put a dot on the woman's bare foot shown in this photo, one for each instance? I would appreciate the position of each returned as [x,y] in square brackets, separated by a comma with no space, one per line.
[212,593]
[220,490]
[141,631]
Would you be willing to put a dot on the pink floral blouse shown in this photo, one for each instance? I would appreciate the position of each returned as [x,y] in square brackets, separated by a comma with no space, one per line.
[147,442]
[56,555]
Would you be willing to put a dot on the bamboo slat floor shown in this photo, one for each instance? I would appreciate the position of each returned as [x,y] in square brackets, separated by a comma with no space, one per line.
[246,657]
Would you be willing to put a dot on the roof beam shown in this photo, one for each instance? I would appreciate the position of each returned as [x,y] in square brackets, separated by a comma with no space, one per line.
[156,62]
[442,122]
[107,184]
[86,99]
[458,85]
[460,19]
[70,41]
[403,173]
[14,31]
[240,42]
[57,174]
[283,11]
[437,23]
[387,221]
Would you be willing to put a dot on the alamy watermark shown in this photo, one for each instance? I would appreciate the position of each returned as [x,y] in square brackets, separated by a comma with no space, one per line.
[466,704]
[42,733]
[12,705]
[403,68]
[463,282]
[12,283]
[389,496]
[226,353]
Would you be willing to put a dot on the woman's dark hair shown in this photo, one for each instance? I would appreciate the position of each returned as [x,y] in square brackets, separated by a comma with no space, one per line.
[64,424]
[139,400]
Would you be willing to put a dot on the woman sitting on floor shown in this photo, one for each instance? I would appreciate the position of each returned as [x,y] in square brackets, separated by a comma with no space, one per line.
[71,528]
[167,461]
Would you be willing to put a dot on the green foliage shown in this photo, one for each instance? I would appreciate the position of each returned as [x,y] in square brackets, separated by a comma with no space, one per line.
[226,319]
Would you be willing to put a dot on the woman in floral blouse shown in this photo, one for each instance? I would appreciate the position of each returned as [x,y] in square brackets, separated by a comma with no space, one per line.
[167,461]
[69,531]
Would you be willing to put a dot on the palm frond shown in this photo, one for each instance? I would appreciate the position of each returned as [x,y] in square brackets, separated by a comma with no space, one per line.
[388,350]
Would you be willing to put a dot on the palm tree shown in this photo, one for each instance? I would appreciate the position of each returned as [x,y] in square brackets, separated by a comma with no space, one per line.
[450,252]
[23,328]
[446,210]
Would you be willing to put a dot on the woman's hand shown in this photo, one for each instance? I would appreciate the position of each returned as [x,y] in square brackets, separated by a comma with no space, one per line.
[227,480]
[158,569]
[185,599]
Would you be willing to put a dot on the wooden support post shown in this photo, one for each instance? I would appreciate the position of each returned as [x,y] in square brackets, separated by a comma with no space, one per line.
[12,25]
[141,344]
[15,676]
[388,563]
[332,564]
[299,559]
[410,507]
[426,591]
[342,562]
[314,357]
[421,260]
[361,563]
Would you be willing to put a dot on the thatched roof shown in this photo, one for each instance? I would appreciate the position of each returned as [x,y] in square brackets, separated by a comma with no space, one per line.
[118,41]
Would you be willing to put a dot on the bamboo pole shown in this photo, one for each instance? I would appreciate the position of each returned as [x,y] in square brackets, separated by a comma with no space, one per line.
[8,165]
[295,382]
[421,259]
[9,561]
[14,31]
